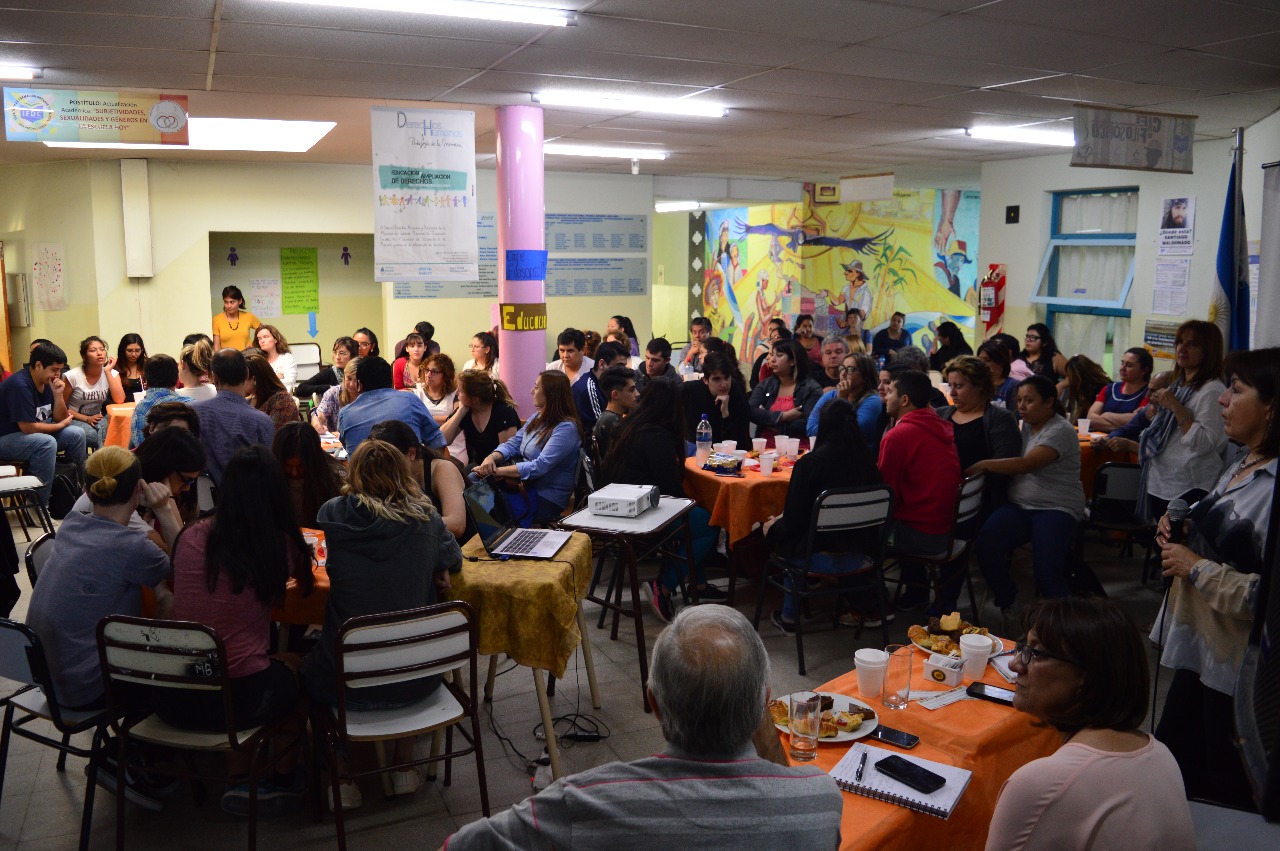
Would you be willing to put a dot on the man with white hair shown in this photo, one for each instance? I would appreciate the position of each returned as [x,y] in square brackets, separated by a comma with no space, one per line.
[721,783]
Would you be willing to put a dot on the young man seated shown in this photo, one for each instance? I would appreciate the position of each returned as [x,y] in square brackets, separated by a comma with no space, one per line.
[588,397]
[34,417]
[618,384]
[657,364]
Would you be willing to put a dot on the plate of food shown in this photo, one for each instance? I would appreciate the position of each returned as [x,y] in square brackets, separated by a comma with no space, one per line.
[843,718]
[942,635]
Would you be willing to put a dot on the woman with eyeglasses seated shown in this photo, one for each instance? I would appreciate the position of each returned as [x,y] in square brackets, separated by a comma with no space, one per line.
[438,390]
[1082,669]
[857,386]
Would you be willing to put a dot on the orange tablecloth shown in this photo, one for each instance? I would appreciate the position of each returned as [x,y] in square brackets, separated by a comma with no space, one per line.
[304,611]
[989,739]
[1092,457]
[118,420]
[736,504]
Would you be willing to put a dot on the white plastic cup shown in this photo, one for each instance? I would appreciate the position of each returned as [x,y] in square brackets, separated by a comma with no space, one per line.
[759,443]
[729,445]
[975,650]
[870,664]
[1082,426]
[766,464]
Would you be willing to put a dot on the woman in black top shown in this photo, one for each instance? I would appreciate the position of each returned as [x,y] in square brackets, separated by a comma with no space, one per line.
[948,345]
[344,349]
[839,460]
[485,415]
[719,397]
[1041,353]
[649,449]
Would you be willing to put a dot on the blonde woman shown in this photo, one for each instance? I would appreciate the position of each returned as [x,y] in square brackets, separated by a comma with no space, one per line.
[193,371]
[325,417]
[98,566]
[276,350]
[389,550]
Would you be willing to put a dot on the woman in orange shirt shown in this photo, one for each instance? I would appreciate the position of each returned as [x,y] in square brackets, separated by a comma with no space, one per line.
[234,327]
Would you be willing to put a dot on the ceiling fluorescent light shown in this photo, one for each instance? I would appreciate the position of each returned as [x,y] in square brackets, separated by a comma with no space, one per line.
[513,13]
[1025,135]
[665,106]
[675,206]
[598,151]
[231,134]
[19,72]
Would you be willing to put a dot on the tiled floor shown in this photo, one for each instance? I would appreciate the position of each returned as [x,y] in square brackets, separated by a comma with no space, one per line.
[41,807]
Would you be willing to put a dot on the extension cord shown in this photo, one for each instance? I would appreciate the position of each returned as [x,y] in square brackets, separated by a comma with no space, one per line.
[542,774]
[571,737]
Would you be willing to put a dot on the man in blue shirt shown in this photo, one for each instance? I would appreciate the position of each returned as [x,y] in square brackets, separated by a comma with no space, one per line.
[161,376]
[34,417]
[228,423]
[588,398]
[378,401]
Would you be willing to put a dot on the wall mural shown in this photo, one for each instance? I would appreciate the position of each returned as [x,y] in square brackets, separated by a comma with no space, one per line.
[915,253]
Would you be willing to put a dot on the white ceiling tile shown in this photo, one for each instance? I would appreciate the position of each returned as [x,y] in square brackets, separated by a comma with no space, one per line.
[357,20]
[73,59]
[811,104]
[960,36]
[123,79]
[612,66]
[1263,49]
[844,86]
[376,77]
[1003,102]
[1079,87]
[359,46]
[148,8]
[1173,23]
[116,30]
[845,20]
[1208,73]
[917,66]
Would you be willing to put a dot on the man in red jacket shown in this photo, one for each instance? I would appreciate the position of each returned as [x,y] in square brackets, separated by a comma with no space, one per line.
[919,463]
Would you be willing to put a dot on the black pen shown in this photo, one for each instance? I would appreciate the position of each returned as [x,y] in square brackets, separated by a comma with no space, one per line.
[862,763]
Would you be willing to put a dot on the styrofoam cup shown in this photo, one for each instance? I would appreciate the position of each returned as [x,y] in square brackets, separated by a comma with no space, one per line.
[975,650]
[870,664]
[1083,427]
[759,443]
[766,464]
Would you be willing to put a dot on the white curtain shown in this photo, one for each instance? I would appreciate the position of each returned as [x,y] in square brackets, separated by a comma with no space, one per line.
[1092,272]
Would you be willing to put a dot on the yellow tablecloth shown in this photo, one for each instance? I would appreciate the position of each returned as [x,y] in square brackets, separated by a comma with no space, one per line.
[527,609]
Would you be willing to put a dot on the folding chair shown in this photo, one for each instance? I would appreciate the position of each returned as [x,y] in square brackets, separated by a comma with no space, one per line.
[968,505]
[21,494]
[22,660]
[177,655]
[375,650]
[835,510]
[37,554]
[1113,508]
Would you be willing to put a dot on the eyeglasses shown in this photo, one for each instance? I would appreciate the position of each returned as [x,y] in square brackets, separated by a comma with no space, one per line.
[1032,337]
[848,370]
[188,482]
[1026,653]
[435,372]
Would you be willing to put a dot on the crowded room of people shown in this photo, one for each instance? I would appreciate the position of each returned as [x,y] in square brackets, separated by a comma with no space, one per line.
[599,423]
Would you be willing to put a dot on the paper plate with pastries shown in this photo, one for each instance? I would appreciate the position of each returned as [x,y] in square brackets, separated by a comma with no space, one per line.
[844,718]
[942,635]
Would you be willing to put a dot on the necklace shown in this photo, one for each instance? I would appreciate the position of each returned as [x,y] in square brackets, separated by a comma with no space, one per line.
[235,327]
[1246,464]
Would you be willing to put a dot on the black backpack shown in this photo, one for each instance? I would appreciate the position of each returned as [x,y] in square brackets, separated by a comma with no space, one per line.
[66,489]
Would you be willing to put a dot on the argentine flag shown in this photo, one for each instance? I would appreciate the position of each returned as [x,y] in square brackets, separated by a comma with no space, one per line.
[1229,306]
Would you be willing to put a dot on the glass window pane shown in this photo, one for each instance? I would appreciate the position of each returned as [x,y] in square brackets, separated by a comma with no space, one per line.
[1100,214]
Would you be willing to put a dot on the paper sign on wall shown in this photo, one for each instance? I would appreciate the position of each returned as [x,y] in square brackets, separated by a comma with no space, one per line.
[47,278]
[299,280]
[264,297]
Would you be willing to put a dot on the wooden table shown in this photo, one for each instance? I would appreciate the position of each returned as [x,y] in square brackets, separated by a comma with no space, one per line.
[119,418]
[989,739]
[737,504]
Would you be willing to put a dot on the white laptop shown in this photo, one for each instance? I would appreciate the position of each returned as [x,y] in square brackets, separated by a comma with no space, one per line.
[497,529]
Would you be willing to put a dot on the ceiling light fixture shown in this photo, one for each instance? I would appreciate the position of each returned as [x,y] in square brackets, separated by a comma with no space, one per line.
[513,13]
[676,206]
[232,134]
[666,106]
[1025,135]
[19,72]
[599,151]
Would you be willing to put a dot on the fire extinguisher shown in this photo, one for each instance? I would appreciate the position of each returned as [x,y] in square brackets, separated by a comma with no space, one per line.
[991,299]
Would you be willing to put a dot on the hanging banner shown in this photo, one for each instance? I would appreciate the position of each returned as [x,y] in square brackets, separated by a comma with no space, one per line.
[424,195]
[1132,139]
[70,115]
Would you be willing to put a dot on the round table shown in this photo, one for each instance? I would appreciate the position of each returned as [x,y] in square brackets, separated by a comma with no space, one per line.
[119,418]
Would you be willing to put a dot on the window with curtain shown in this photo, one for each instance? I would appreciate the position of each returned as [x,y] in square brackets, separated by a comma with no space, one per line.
[1087,270]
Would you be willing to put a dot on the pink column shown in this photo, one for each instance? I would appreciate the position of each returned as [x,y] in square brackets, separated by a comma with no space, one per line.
[522,354]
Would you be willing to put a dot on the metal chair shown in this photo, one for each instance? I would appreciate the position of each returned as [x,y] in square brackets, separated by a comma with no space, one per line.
[375,650]
[1113,508]
[177,655]
[22,660]
[37,554]
[21,494]
[968,506]
[835,510]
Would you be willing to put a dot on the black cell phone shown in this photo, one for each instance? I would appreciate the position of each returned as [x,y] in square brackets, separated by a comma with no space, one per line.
[920,779]
[993,693]
[895,737]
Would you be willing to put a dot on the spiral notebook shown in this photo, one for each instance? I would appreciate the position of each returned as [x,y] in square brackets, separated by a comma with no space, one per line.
[884,788]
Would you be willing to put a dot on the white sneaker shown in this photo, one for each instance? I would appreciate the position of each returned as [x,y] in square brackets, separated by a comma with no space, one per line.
[405,782]
[349,793]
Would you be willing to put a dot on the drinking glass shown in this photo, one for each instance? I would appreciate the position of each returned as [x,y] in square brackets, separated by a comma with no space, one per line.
[897,677]
[806,718]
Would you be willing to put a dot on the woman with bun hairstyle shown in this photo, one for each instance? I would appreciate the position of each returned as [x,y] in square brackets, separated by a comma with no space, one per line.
[97,567]
[194,365]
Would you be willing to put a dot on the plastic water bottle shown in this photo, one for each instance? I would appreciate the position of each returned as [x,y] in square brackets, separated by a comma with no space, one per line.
[703,450]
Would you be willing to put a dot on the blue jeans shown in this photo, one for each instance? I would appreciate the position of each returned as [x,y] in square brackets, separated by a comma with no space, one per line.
[39,451]
[704,537]
[95,436]
[828,564]
[1052,536]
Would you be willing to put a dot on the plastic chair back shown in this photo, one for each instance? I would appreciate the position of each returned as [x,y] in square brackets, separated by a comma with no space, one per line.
[382,649]
[38,555]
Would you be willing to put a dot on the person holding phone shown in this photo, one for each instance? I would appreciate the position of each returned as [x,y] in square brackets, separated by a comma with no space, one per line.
[1082,669]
